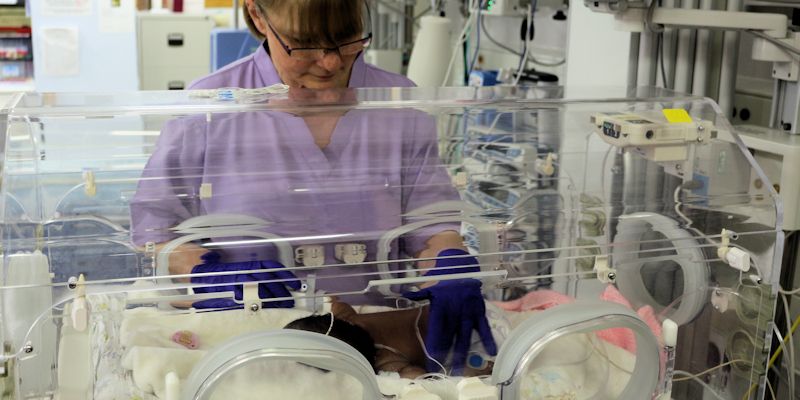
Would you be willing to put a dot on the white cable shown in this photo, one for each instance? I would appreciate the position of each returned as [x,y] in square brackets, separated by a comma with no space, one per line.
[676,199]
[462,37]
[712,369]
[603,172]
[788,317]
[789,292]
[544,64]
[422,343]
[781,343]
[330,328]
[771,392]
[431,375]
[391,349]
[700,381]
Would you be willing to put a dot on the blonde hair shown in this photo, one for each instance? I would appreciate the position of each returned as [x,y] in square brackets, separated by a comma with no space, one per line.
[314,22]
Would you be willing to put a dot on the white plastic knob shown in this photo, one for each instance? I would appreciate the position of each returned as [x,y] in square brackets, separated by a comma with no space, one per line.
[475,389]
[670,331]
[172,388]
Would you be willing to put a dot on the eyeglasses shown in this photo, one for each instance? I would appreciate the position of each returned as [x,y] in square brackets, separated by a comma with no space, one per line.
[316,53]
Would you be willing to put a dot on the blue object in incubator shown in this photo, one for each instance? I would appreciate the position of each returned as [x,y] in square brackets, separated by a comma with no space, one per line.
[233,283]
[483,78]
[454,300]
[478,361]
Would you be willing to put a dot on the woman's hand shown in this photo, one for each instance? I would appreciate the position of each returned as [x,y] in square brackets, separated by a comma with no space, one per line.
[184,258]
[457,308]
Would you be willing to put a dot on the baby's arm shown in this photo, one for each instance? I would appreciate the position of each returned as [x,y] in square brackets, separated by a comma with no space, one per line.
[386,360]
[395,336]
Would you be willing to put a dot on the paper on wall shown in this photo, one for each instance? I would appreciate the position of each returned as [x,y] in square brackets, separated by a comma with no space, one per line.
[53,8]
[60,51]
[116,16]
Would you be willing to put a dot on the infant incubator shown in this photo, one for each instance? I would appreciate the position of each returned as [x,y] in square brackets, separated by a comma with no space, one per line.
[627,244]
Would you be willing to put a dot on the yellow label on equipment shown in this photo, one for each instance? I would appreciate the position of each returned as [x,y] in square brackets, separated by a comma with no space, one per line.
[677,115]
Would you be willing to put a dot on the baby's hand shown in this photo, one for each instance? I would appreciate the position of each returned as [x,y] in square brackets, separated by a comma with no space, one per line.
[342,310]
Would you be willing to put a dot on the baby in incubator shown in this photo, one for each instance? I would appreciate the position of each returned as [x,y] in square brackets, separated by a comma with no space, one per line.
[154,343]
[392,340]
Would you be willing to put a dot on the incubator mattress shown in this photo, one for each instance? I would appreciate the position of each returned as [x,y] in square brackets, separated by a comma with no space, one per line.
[132,351]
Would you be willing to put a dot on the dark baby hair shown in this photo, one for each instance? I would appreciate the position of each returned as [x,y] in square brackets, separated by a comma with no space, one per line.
[355,336]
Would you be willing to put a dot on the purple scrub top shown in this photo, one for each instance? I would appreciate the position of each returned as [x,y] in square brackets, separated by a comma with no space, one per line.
[378,165]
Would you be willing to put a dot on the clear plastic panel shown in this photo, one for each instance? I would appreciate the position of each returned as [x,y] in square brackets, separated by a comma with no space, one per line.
[270,379]
[560,195]
[580,366]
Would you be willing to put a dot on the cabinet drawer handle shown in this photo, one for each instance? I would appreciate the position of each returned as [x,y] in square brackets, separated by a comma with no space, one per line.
[175,39]
[176,85]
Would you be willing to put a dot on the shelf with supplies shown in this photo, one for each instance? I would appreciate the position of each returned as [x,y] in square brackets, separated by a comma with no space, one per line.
[16,58]
[26,58]
[15,33]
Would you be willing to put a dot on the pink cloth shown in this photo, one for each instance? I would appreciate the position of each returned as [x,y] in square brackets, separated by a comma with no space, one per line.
[622,337]
[535,301]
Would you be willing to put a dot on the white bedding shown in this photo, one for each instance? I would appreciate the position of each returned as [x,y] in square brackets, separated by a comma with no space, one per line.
[574,367]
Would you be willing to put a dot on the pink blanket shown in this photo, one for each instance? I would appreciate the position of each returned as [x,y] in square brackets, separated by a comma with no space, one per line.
[544,299]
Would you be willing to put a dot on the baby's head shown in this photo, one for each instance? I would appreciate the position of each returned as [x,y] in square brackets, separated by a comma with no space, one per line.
[353,335]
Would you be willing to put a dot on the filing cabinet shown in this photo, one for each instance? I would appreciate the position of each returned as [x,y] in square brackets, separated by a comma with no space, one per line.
[174,49]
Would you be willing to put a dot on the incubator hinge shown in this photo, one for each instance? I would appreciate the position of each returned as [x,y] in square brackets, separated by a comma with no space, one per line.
[602,267]
[252,302]
[149,259]
[79,313]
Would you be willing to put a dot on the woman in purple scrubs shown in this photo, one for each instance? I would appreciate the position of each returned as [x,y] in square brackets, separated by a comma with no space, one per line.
[351,142]
[314,174]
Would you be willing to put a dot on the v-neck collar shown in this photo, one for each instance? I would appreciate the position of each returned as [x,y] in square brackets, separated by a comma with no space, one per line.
[321,161]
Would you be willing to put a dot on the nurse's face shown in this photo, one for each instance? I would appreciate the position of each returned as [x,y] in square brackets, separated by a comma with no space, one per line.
[331,70]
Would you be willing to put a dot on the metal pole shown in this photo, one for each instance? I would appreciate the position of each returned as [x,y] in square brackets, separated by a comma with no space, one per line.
[702,56]
[408,29]
[777,99]
[685,58]
[633,60]
[730,55]
[646,74]
[669,45]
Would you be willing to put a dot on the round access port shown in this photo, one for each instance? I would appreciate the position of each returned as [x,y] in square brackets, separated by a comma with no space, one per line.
[742,346]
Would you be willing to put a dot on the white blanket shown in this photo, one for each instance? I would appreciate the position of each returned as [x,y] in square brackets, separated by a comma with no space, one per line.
[573,367]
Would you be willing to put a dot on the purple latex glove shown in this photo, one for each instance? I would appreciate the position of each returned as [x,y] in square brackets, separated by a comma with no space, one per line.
[456,309]
[266,290]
